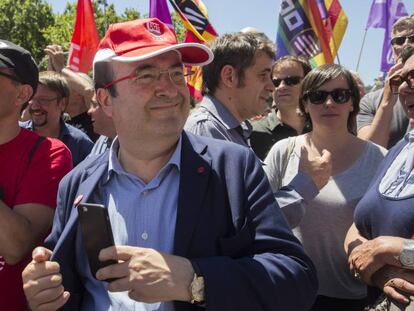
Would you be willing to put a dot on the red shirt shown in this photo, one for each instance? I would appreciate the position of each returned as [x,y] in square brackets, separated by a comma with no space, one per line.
[23,183]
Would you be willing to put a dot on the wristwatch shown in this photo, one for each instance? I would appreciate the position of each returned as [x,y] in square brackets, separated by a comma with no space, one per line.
[197,286]
[407,254]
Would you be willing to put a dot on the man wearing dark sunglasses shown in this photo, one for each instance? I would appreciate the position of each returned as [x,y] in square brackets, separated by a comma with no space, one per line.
[284,120]
[382,118]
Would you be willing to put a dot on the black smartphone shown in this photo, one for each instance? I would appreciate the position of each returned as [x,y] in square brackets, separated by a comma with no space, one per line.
[96,233]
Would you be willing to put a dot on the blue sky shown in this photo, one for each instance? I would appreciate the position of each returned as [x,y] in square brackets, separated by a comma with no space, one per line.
[231,15]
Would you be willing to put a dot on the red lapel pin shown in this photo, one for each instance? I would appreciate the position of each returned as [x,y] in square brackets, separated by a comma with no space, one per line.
[78,200]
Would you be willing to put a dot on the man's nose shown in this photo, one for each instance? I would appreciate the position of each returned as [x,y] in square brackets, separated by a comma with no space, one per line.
[165,86]
[269,85]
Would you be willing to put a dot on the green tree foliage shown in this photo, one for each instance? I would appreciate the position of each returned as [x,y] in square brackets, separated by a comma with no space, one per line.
[178,26]
[33,25]
[24,21]
[61,31]
[106,15]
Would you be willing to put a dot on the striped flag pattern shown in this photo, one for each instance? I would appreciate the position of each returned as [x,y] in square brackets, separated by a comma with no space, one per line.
[310,28]
[193,14]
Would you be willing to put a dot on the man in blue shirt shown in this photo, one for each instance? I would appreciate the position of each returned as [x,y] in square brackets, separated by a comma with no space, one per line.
[46,108]
[194,220]
[237,87]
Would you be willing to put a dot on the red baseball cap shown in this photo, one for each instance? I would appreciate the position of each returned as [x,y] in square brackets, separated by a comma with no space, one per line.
[145,38]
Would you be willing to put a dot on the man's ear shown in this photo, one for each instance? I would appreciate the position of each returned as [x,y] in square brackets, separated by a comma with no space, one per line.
[63,103]
[104,98]
[228,75]
[24,94]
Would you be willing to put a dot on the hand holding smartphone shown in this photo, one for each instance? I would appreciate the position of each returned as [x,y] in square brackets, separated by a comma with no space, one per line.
[96,233]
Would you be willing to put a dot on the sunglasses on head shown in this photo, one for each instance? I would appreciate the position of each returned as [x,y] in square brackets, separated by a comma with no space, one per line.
[401,40]
[289,80]
[397,80]
[340,96]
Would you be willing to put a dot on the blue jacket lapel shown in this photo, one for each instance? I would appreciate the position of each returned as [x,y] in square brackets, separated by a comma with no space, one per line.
[85,189]
[194,176]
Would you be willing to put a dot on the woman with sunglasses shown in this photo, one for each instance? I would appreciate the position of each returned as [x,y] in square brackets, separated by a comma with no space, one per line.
[329,99]
[380,243]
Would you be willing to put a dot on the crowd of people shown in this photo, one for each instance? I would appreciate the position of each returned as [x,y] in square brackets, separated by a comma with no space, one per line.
[285,188]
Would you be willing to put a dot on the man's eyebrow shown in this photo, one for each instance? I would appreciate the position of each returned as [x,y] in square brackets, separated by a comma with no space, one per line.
[177,64]
[149,66]
[144,67]
[266,70]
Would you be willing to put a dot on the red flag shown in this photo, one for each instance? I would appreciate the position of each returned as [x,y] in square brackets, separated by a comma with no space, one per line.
[85,38]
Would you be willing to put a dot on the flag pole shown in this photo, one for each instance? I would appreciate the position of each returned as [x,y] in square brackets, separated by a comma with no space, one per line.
[360,51]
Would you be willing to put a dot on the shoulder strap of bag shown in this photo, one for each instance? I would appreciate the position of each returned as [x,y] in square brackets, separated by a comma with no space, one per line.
[285,158]
[34,148]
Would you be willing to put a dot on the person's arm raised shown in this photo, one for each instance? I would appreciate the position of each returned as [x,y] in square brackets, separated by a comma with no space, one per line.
[379,130]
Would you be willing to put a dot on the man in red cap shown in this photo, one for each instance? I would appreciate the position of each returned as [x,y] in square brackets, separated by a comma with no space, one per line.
[194,220]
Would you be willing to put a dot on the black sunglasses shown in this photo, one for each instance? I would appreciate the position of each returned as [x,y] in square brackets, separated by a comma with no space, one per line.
[397,80]
[289,80]
[340,96]
[11,77]
[401,40]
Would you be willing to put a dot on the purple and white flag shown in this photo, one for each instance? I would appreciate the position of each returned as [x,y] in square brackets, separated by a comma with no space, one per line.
[383,14]
[159,9]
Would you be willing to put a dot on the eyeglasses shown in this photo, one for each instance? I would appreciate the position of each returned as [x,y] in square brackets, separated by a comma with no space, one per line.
[397,80]
[340,96]
[148,77]
[401,40]
[43,101]
[11,77]
[289,80]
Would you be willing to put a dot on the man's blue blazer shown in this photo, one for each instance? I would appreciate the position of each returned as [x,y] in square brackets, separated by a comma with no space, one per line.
[227,220]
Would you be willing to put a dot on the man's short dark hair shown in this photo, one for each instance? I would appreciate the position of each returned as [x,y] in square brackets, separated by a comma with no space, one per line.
[300,60]
[56,82]
[104,74]
[237,50]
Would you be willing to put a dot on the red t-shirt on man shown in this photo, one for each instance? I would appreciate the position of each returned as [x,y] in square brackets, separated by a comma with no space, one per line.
[22,183]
